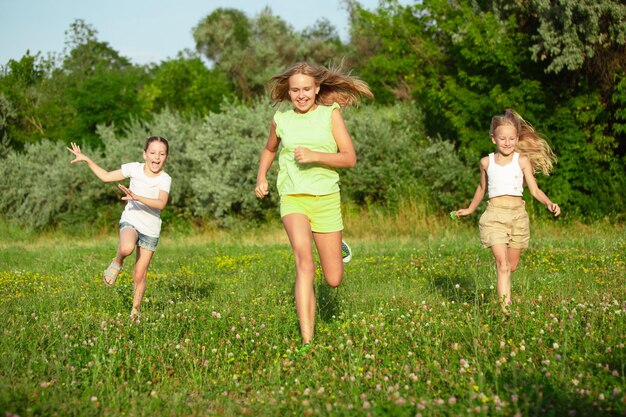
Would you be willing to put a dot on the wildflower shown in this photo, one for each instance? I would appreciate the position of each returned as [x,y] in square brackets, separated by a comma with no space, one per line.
[452,400]
[366,405]
[94,398]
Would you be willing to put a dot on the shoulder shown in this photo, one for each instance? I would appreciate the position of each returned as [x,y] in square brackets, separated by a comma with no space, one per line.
[484,162]
[131,168]
[165,179]
[523,161]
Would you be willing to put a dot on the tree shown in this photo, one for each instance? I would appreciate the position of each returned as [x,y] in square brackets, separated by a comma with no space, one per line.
[464,61]
[251,51]
[19,82]
[185,84]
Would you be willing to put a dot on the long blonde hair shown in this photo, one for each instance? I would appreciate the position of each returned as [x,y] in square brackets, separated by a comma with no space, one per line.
[530,143]
[336,86]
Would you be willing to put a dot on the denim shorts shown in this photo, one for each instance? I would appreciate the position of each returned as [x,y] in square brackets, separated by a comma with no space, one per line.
[323,211]
[147,242]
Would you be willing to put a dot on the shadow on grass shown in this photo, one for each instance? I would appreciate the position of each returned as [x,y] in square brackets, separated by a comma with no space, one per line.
[327,305]
[541,396]
[191,291]
[461,289]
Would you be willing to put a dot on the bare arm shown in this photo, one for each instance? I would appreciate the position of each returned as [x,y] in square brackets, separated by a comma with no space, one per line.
[155,203]
[480,192]
[344,158]
[103,174]
[534,189]
[267,157]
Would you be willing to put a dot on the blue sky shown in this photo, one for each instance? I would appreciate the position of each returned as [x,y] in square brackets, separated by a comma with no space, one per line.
[142,30]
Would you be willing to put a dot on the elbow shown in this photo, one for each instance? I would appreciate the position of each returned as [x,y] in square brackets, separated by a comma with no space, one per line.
[351,162]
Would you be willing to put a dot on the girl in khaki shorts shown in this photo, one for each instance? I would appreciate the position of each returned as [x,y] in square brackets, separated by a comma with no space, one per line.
[504,225]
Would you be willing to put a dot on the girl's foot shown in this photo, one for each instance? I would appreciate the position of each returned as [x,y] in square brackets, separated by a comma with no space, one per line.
[111,273]
[134,315]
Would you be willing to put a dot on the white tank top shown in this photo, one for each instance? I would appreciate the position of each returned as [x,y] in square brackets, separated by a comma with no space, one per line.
[505,179]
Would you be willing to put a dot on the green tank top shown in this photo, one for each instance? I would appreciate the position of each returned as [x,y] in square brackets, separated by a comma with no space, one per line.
[312,130]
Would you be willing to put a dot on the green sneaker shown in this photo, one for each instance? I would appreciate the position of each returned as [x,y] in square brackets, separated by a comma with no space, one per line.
[346,252]
[305,348]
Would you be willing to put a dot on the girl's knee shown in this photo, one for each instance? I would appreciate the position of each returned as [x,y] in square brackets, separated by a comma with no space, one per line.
[126,250]
[305,266]
[503,266]
[334,281]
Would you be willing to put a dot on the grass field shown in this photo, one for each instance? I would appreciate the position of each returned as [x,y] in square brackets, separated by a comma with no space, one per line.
[414,330]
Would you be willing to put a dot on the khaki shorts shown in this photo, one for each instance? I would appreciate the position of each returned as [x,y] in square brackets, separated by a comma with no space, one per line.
[504,225]
[323,211]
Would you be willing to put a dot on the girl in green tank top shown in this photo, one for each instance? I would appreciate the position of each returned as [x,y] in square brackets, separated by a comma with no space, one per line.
[312,141]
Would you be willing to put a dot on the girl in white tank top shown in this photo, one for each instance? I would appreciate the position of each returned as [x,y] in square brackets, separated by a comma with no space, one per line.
[504,224]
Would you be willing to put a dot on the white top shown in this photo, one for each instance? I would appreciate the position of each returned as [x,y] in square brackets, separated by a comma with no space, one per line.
[146,220]
[505,179]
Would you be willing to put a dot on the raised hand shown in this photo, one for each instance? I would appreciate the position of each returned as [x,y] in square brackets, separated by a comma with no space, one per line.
[79,156]
[129,194]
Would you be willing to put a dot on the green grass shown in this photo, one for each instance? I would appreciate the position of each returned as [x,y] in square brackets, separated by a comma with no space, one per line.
[414,330]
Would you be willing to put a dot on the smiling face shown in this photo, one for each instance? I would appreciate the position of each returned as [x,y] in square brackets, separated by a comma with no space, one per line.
[155,156]
[505,138]
[302,92]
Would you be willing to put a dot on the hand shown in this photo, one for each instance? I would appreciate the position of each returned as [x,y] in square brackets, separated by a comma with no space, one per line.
[304,155]
[129,194]
[261,189]
[463,212]
[554,208]
[77,153]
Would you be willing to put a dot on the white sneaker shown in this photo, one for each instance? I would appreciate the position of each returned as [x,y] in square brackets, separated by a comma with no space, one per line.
[346,252]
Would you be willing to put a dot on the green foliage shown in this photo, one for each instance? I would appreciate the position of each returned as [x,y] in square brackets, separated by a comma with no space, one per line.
[465,61]
[253,50]
[396,161]
[20,96]
[574,33]
[213,163]
[186,85]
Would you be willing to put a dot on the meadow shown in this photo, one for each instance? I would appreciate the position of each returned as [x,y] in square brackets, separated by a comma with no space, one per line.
[414,330]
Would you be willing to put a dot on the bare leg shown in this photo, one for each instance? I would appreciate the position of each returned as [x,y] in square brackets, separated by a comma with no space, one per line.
[514,257]
[299,232]
[329,248]
[128,240]
[139,277]
[503,268]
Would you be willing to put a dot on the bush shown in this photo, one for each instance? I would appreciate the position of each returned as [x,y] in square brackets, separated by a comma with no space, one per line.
[213,163]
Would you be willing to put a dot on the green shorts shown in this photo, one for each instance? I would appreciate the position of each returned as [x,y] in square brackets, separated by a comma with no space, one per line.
[504,225]
[323,211]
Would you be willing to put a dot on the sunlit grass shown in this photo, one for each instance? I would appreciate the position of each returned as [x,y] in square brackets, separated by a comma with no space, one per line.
[414,329]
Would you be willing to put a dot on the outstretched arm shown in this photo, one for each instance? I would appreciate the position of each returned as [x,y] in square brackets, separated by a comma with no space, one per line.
[534,189]
[480,192]
[345,158]
[267,157]
[155,203]
[103,174]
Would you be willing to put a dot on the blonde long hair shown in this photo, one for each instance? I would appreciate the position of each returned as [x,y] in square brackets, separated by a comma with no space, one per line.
[530,143]
[336,85]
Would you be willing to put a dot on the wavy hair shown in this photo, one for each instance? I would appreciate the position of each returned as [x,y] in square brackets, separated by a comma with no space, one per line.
[530,143]
[336,85]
